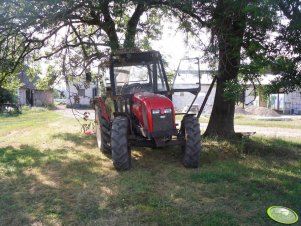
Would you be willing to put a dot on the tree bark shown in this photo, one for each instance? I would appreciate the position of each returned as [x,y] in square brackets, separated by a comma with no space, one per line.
[109,27]
[230,32]
[221,123]
[131,30]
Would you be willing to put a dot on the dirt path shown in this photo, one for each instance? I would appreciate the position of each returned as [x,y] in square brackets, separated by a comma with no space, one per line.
[266,131]
[269,131]
[68,112]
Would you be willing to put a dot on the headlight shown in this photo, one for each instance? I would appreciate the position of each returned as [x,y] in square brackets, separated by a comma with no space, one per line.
[167,110]
[156,111]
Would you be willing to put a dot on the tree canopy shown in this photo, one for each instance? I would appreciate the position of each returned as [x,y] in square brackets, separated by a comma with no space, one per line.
[248,39]
[79,31]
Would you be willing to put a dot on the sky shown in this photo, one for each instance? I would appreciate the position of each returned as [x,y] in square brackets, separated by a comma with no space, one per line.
[172,45]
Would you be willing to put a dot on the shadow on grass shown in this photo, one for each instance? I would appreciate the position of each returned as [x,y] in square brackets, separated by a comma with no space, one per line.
[265,148]
[47,187]
[272,147]
[227,189]
[78,139]
[225,192]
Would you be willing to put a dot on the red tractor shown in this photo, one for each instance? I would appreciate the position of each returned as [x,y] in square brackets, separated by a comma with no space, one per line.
[137,111]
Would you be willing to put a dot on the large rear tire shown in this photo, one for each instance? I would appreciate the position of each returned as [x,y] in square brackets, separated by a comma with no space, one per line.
[103,133]
[121,152]
[192,147]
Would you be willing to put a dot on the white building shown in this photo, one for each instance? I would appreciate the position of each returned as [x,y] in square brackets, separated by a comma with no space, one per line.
[80,94]
[287,103]
[29,94]
[183,99]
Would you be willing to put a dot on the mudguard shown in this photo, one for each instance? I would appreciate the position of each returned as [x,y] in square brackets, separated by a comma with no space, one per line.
[100,102]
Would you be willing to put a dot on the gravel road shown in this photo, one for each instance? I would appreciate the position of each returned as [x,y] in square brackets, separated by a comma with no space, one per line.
[269,131]
[68,112]
[266,131]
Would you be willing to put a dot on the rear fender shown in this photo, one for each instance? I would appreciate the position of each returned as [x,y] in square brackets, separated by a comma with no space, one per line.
[101,104]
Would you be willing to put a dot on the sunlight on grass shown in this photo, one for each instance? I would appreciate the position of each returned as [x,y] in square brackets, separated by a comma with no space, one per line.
[51,174]
[252,121]
[249,120]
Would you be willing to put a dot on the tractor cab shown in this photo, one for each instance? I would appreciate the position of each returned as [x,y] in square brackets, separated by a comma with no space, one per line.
[130,73]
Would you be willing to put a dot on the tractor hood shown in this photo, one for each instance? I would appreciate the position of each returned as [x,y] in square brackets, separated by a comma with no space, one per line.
[143,105]
[153,101]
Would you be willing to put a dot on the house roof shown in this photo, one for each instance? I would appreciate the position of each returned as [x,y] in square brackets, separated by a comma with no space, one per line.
[27,84]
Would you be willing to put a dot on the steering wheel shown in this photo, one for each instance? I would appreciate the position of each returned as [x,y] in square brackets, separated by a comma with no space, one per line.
[131,88]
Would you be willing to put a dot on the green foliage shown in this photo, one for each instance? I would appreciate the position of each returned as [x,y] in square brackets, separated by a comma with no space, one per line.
[170,76]
[56,94]
[233,90]
[7,96]
[280,53]
[49,79]
[263,92]
[289,77]
[80,34]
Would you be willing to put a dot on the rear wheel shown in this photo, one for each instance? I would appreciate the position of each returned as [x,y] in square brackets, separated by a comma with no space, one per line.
[121,153]
[192,147]
[103,133]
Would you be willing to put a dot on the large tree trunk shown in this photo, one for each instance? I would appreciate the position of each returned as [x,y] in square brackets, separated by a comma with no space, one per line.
[221,123]
[230,33]
[109,27]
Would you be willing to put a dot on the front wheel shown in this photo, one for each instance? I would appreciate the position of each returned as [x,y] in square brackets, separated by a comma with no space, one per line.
[121,152]
[192,147]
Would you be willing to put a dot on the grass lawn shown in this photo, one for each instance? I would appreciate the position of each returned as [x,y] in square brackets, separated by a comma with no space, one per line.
[51,174]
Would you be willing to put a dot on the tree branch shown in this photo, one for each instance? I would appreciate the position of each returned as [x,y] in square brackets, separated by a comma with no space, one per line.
[131,29]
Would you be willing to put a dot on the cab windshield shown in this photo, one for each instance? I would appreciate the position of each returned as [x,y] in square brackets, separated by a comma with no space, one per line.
[138,78]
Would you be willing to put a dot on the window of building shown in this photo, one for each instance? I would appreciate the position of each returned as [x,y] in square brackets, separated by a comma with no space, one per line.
[81,92]
[94,92]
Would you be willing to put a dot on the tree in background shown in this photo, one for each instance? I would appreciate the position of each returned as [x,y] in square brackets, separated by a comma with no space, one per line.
[240,31]
[247,40]
[288,65]
[236,27]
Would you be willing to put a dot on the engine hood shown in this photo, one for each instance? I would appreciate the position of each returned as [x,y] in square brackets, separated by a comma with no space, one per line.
[153,101]
[145,102]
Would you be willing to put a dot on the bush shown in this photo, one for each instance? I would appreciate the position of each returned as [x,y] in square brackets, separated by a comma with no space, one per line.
[6,96]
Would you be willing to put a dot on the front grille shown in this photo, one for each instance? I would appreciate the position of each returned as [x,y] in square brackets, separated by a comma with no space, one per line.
[162,122]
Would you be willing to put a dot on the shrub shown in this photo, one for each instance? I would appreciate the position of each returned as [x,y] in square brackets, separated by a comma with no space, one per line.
[6,96]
